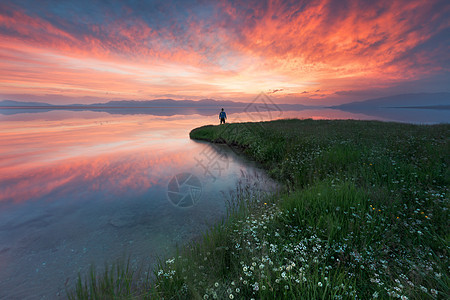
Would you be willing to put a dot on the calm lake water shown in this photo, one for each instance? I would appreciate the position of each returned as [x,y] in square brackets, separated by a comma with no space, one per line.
[82,187]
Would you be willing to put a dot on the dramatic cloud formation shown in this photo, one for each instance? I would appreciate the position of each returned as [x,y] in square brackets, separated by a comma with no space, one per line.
[295,50]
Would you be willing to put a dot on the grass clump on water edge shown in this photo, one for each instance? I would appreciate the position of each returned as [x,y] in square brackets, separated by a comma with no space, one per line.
[364,215]
[117,281]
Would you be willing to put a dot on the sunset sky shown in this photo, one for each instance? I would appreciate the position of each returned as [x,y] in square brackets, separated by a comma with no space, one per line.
[309,52]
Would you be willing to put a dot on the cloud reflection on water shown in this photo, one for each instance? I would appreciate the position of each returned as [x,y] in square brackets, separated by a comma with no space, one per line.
[63,151]
[117,154]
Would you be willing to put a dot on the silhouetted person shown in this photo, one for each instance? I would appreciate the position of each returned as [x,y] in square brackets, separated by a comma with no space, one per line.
[222,117]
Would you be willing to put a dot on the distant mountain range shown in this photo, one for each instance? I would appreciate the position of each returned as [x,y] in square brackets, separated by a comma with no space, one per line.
[129,103]
[166,107]
[422,100]
[169,107]
[397,101]
[148,103]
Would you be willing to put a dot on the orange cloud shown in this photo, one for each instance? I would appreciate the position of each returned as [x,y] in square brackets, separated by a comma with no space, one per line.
[323,41]
[235,49]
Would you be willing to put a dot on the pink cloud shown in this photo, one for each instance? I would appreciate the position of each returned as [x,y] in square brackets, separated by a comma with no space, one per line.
[235,51]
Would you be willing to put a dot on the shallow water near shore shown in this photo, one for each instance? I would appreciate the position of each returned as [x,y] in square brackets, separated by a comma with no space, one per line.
[85,187]
[80,187]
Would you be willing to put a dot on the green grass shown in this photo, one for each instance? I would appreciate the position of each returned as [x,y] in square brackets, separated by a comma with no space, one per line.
[118,281]
[363,214]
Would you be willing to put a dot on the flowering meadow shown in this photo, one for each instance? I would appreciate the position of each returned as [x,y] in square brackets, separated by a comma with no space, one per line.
[363,214]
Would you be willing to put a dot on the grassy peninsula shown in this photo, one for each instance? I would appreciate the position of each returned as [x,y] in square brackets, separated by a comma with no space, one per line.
[364,214]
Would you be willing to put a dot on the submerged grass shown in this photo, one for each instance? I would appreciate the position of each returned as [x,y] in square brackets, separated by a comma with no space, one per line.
[118,281]
[364,214]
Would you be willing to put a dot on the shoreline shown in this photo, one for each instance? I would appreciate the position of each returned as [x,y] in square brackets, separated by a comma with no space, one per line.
[352,193]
